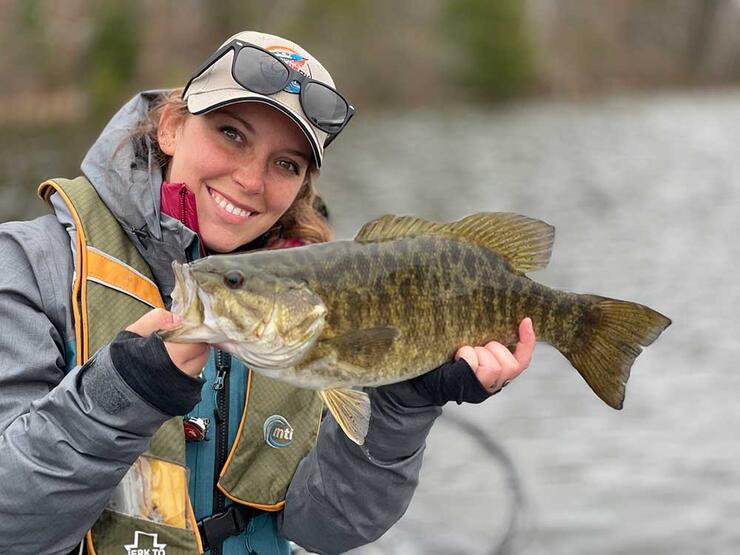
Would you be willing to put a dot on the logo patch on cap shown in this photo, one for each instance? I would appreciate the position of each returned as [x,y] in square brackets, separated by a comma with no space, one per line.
[294,61]
[278,432]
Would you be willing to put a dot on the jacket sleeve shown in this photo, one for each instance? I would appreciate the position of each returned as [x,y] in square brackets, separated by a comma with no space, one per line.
[65,441]
[343,495]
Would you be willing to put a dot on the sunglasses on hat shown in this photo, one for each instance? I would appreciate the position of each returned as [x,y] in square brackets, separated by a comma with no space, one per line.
[260,71]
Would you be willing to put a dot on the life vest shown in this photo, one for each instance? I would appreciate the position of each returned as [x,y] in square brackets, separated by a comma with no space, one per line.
[113,287]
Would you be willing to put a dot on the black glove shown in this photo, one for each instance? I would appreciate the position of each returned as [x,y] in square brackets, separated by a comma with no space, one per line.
[403,412]
[145,366]
[453,381]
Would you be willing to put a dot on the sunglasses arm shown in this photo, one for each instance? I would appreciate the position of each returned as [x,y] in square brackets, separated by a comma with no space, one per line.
[333,136]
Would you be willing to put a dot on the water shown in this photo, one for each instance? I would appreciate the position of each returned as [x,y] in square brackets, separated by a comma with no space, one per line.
[645,195]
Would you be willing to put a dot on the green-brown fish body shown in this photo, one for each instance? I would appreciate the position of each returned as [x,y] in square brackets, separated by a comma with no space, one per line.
[396,309]
[398,301]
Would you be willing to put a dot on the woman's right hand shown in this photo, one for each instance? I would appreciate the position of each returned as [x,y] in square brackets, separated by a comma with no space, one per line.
[188,357]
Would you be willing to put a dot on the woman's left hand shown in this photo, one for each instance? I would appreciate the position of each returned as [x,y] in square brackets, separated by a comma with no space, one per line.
[495,365]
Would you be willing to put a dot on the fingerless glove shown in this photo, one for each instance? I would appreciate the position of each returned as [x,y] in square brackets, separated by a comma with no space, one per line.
[145,366]
[453,381]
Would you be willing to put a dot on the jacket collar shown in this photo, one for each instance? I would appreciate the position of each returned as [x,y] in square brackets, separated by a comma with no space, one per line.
[127,178]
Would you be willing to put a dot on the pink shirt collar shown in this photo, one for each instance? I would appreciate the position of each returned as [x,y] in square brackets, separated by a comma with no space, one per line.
[179,202]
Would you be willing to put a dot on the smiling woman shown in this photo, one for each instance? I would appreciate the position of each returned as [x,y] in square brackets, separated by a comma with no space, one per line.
[165,125]
[243,163]
[112,423]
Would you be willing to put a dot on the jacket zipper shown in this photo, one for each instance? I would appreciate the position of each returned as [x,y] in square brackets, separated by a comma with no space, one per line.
[183,218]
[183,192]
[221,414]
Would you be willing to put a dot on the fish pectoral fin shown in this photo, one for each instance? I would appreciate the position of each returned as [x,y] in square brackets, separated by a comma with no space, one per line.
[363,347]
[351,410]
[525,242]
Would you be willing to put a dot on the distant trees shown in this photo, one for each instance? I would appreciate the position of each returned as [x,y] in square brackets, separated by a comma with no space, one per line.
[383,52]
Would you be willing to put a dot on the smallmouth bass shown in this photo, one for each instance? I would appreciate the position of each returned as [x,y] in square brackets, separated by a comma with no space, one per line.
[398,301]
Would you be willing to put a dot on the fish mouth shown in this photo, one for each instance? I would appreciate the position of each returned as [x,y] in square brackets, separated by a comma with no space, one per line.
[184,292]
[186,303]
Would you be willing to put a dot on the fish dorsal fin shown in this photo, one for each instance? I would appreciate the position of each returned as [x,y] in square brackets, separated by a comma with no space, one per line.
[363,346]
[525,242]
[351,410]
[392,227]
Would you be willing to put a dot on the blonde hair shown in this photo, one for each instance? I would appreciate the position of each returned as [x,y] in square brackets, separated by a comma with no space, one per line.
[302,220]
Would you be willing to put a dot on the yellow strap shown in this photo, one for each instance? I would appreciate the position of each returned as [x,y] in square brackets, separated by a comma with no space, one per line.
[114,273]
[79,289]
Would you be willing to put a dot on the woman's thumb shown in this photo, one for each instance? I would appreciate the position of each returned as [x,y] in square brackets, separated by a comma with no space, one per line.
[155,320]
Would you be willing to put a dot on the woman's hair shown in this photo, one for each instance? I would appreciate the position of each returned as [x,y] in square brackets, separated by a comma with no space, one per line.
[304,220]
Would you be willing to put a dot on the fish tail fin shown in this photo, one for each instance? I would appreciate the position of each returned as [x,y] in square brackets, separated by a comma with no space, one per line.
[351,410]
[613,337]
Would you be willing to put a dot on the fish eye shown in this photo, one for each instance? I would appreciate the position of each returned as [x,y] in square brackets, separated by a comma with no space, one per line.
[233,279]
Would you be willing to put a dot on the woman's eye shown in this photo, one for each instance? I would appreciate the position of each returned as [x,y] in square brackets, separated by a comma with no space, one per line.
[231,133]
[290,166]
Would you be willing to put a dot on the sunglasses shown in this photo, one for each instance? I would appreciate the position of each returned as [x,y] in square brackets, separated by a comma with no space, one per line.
[262,72]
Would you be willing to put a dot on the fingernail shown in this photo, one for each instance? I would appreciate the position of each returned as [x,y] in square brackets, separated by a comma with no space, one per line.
[507,382]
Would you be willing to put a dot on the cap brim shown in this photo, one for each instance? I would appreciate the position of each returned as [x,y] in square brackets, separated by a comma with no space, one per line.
[202,103]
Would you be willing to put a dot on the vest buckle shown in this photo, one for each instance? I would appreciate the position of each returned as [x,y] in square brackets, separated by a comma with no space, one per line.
[232,521]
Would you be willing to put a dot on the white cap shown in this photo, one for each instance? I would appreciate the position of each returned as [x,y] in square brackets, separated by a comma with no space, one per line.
[216,86]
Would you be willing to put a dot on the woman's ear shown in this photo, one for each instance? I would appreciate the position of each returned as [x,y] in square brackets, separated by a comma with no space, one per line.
[168,130]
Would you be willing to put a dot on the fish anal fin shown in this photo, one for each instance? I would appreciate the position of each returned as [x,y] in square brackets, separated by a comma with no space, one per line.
[364,346]
[351,410]
[525,242]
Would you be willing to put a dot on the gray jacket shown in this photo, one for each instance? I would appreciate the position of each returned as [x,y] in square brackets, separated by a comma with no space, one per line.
[67,440]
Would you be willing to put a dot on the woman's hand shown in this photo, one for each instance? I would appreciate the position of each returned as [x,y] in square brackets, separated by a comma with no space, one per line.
[475,374]
[188,357]
[495,365]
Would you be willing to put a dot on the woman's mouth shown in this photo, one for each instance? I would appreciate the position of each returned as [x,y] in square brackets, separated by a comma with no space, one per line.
[230,209]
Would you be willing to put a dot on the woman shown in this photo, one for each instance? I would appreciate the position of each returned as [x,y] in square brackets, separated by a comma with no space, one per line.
[93,434]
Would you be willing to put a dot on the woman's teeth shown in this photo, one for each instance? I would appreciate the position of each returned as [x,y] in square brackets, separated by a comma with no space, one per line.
[226,205]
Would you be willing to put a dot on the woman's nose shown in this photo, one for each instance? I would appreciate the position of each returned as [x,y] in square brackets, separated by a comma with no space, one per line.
[251,176]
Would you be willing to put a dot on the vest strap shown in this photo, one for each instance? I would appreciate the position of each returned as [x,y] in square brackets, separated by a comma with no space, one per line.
[106,270]
[113,287]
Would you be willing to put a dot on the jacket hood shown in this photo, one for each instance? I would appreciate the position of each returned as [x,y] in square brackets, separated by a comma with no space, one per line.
[125,174]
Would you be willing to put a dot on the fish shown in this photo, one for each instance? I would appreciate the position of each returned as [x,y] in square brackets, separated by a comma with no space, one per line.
[398,301]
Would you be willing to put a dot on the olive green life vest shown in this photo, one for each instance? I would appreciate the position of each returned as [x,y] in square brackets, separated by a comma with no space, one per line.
[113,287]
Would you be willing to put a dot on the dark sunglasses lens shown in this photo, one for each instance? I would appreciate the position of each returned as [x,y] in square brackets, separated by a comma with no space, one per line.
[259,72]
[324,107]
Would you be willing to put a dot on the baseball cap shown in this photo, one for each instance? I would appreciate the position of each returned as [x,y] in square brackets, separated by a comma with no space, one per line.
[216,86]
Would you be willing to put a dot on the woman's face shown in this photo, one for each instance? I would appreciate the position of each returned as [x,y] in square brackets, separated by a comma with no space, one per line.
[244,163]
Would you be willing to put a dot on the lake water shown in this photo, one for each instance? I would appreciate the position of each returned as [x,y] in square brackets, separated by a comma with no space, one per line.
[644,193]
